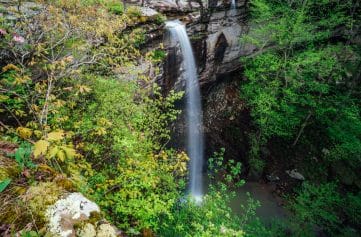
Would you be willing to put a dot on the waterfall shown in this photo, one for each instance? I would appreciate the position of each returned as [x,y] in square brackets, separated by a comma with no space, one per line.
[233,4]
[194,116]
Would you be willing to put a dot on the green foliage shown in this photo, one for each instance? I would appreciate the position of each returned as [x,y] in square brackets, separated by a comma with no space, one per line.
[134,11]
[29,234]
[41,195]
[302,88]
[304,79]
[213,216]
[75,90]
[122,131]
[23,156]
[160,19]
[255,162]
[229,172]
[157,55]
[353,209]
[4,183]
[116,7]
[319,205]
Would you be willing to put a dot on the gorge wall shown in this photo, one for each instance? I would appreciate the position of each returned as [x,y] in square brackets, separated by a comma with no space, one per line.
[215,30]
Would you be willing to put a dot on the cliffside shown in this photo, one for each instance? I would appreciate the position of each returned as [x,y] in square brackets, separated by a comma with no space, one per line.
[215,30]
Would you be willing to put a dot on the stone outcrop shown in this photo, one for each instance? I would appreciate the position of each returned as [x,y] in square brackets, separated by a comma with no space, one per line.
[169,6]
[215,37]
[75,215]
[226,121]
[223,48]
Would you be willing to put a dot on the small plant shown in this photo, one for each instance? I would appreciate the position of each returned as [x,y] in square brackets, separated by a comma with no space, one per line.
[160,19]
[138,36]
[23,156]
[4,184]
[31,233]
[228,172]
[133,11]
[115,7]
[157,55]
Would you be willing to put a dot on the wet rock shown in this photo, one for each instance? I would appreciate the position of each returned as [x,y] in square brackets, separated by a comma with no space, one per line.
[223,47]
[173,5]
[272,178]
[225,121]
[148,12]
[295,174]
[215,38]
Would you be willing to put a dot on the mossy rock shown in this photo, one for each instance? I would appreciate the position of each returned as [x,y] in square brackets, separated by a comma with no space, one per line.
[40,196]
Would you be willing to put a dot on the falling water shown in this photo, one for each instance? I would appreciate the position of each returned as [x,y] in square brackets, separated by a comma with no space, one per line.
[233,4]
[193,109]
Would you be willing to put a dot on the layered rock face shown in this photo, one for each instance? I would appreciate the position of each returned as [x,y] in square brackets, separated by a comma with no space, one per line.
[215,34]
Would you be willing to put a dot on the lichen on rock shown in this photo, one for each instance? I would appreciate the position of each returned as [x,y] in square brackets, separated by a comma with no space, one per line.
[88,230]
[66,212]
[106,230]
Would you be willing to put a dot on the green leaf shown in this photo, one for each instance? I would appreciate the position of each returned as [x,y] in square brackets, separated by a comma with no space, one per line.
[4,184]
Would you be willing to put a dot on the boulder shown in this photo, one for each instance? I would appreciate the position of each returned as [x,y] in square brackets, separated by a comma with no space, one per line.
[272,178]
[68,211]
[295,174]
[148,12]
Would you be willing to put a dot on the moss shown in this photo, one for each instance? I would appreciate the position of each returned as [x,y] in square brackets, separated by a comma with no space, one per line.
[133,11]
[106,230]
[160,19]
[116,8]
[64,183]
[40,196]
[95,217]
[8,168]
[87,230]
[13,211]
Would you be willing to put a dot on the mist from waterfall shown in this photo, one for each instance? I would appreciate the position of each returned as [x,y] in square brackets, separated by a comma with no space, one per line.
[195,139]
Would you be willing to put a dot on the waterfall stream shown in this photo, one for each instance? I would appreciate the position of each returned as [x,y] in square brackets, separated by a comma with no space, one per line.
[233,4]
[195,140]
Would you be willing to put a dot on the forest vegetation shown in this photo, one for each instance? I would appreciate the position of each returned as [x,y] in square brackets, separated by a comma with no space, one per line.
[80,111]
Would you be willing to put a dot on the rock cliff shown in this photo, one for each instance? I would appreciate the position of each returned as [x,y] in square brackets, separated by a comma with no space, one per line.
[215,31]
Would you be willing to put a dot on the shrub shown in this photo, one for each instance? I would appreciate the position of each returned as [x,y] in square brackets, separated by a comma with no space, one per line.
[116,7]
[318,205]
[213,216]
